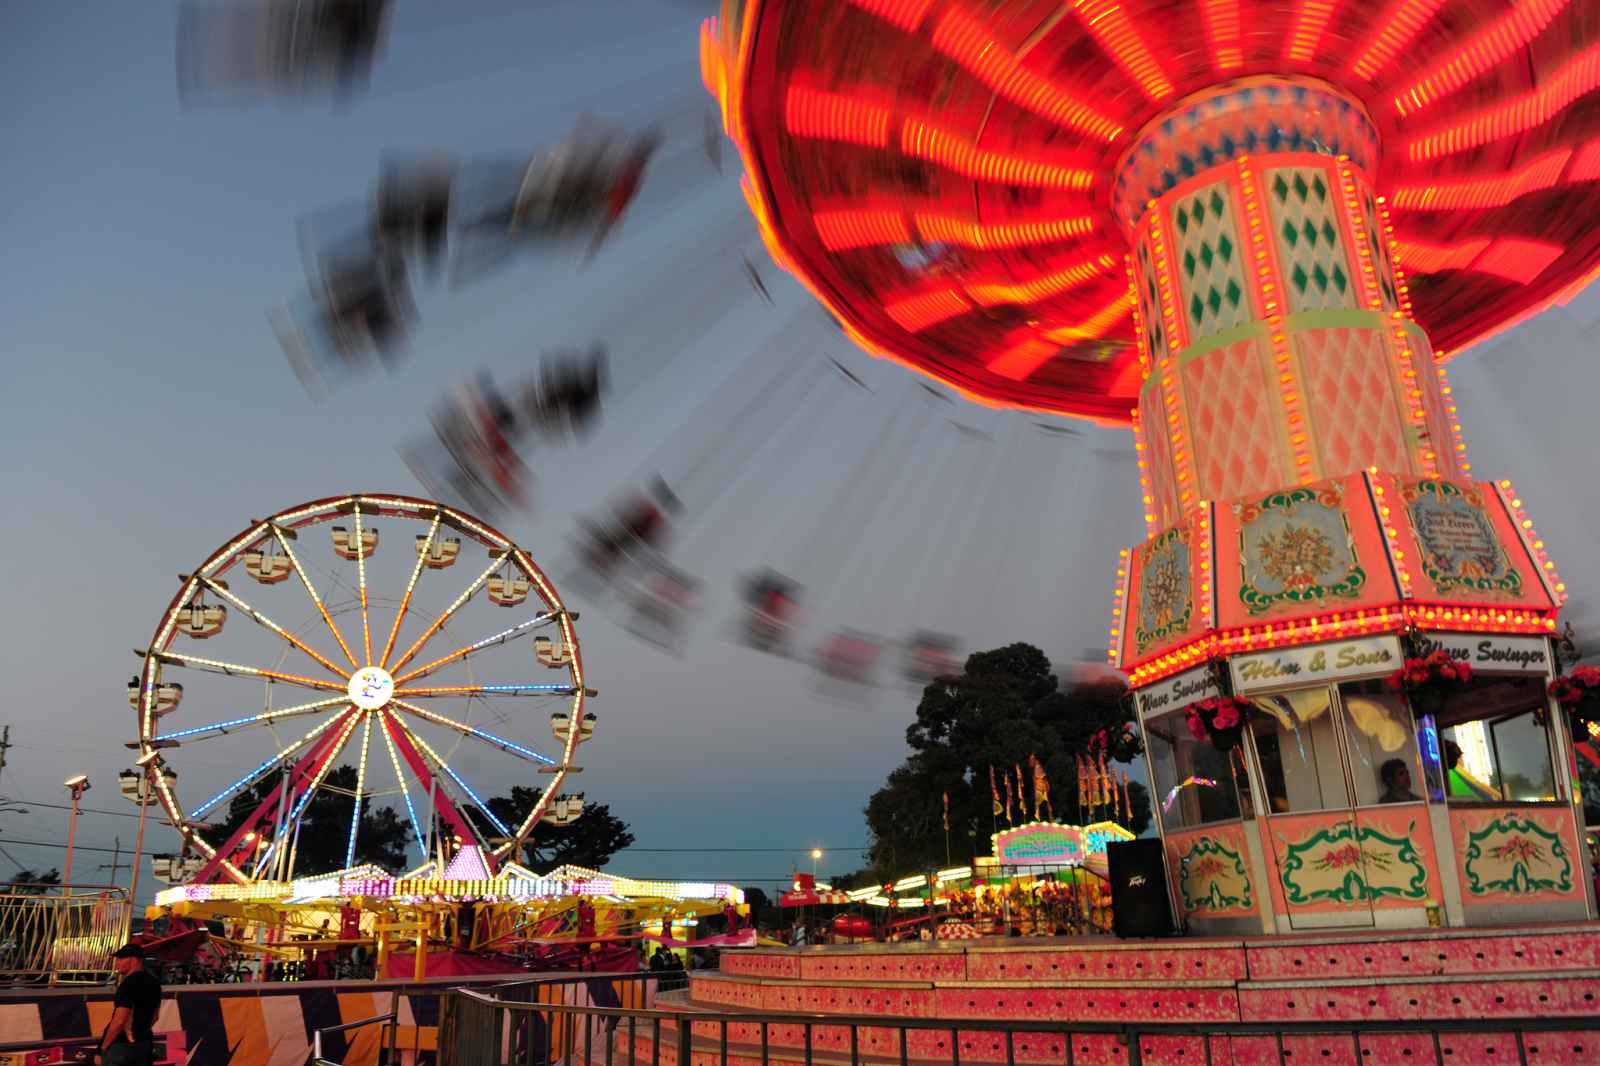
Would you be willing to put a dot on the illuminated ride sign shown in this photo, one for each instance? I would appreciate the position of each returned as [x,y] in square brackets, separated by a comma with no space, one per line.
[1053,844]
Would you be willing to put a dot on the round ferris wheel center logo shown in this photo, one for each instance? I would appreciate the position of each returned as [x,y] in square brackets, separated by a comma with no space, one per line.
[371,687]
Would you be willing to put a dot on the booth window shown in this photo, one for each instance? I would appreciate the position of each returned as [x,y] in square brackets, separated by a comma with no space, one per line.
[1175,757]
[1494,745]
[1299,751]
[1383,744]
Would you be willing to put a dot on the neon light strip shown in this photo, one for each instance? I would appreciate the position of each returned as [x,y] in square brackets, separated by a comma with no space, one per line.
[411,585]
[506,689]
[543,618]
[482,806]
[251,777]
[361,574]
[312,592]
[494,564]
[263,620]
[1394,29]
[967,41]
[835,117]
[1483,50]
[361,784]
[1043,287]
[327,764]
[926,142]
[198,663]
[1114,31]
[502,742]
[394,758]
[254,719]
[1473,193]
[907,14]
[1223,32]
[1577,77]
[1310,21]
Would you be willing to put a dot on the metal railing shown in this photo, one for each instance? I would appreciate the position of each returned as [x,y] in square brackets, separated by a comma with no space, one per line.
[386,1043]
[481,1030]
[60,934]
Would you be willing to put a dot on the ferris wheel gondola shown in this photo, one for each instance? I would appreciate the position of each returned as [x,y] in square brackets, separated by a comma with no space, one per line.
[381,679]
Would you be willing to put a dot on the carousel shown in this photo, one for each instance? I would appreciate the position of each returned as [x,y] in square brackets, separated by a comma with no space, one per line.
[1253,233]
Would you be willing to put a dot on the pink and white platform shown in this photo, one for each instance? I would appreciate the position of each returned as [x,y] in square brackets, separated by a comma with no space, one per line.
[1533,972]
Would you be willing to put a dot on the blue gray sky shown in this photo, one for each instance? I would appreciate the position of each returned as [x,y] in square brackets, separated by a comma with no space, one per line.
[149,415]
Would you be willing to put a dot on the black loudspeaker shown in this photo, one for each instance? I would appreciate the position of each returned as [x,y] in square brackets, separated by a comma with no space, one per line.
[1139,905]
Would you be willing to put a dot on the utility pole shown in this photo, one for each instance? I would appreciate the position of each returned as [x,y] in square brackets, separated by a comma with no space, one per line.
[116,862]
[5,745]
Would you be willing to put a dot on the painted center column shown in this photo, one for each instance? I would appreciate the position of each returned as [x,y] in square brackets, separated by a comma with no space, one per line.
[1273,324]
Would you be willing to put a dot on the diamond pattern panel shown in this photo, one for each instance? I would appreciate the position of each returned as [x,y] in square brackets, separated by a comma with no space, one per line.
[1380,250]
[1210,262]
[1311,255]
[1347,378]
[1437,418]
[1145,287]
[1158,456]
[1233,423]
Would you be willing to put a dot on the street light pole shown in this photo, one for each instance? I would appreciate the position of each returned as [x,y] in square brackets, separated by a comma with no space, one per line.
[78,785]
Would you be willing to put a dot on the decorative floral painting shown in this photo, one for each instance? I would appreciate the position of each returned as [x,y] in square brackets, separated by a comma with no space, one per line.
[1212,877]
[1343,864]
[1514,855]
[1295,547]
[1166,606]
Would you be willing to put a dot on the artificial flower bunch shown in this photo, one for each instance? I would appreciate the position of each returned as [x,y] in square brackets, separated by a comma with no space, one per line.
[1427,681]
[1120,745]
[1221,718]
[1578,693]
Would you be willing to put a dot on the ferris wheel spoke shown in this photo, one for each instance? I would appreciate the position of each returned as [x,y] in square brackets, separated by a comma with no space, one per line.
[411,749]
[311,590]
[405,791]
[262,620]
[250,721]
[255,775]
[495,562]
[326,764]
[361,578]
[470,731]
[544,618]
[498,689]
[416,571]
[438,760]
[361,784]
[216,666]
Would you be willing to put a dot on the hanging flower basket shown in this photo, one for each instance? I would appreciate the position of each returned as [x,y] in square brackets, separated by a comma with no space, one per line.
[1428,682]
[1119,744]
[1578,693]
[1221,718]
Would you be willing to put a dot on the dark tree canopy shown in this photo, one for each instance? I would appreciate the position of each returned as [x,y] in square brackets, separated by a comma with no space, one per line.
[590,841]
[1005,705]
[35,881]
[325,826]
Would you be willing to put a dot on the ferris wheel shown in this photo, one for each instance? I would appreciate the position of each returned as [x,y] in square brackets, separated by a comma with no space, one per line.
[394,635]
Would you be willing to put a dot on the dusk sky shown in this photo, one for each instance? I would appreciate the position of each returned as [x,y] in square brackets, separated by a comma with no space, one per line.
[150,414]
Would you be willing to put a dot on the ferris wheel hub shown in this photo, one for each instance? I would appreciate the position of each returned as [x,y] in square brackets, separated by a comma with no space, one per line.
[371,687]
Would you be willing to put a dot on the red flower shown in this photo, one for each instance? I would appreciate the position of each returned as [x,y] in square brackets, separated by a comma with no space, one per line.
[1227,717]
[1197,727]
[1586,676]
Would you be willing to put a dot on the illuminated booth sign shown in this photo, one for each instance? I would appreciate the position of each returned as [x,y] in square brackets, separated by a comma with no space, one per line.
[1040,844]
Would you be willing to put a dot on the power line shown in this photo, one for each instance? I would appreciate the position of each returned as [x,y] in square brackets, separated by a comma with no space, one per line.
[81,810]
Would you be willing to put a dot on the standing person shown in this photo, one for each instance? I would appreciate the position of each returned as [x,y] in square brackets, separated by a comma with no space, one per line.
[128,1039]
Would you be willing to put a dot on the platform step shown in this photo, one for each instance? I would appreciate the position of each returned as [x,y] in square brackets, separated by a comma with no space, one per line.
[880,1047]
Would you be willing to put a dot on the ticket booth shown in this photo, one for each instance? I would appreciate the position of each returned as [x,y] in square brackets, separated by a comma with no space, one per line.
[1345,806]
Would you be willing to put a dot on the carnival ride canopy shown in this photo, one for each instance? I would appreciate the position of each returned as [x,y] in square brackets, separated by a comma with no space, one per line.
[943,175]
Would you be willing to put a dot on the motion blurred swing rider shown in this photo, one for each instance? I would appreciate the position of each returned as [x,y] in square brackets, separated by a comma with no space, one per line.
[128,1040]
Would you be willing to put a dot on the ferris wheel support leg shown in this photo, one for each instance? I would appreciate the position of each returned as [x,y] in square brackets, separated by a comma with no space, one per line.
[305,771]
[447,811]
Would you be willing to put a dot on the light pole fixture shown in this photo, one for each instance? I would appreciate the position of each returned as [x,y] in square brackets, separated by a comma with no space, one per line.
[77,784]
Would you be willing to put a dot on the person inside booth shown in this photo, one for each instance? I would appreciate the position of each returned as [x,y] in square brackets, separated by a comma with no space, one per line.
[1395,776]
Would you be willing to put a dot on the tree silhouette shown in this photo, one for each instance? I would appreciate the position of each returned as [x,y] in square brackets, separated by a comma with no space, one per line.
[325,826]
[33,882]
[590,841]
[1005,705]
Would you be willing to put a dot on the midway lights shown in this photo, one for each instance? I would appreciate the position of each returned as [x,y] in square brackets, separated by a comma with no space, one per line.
[513,883]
